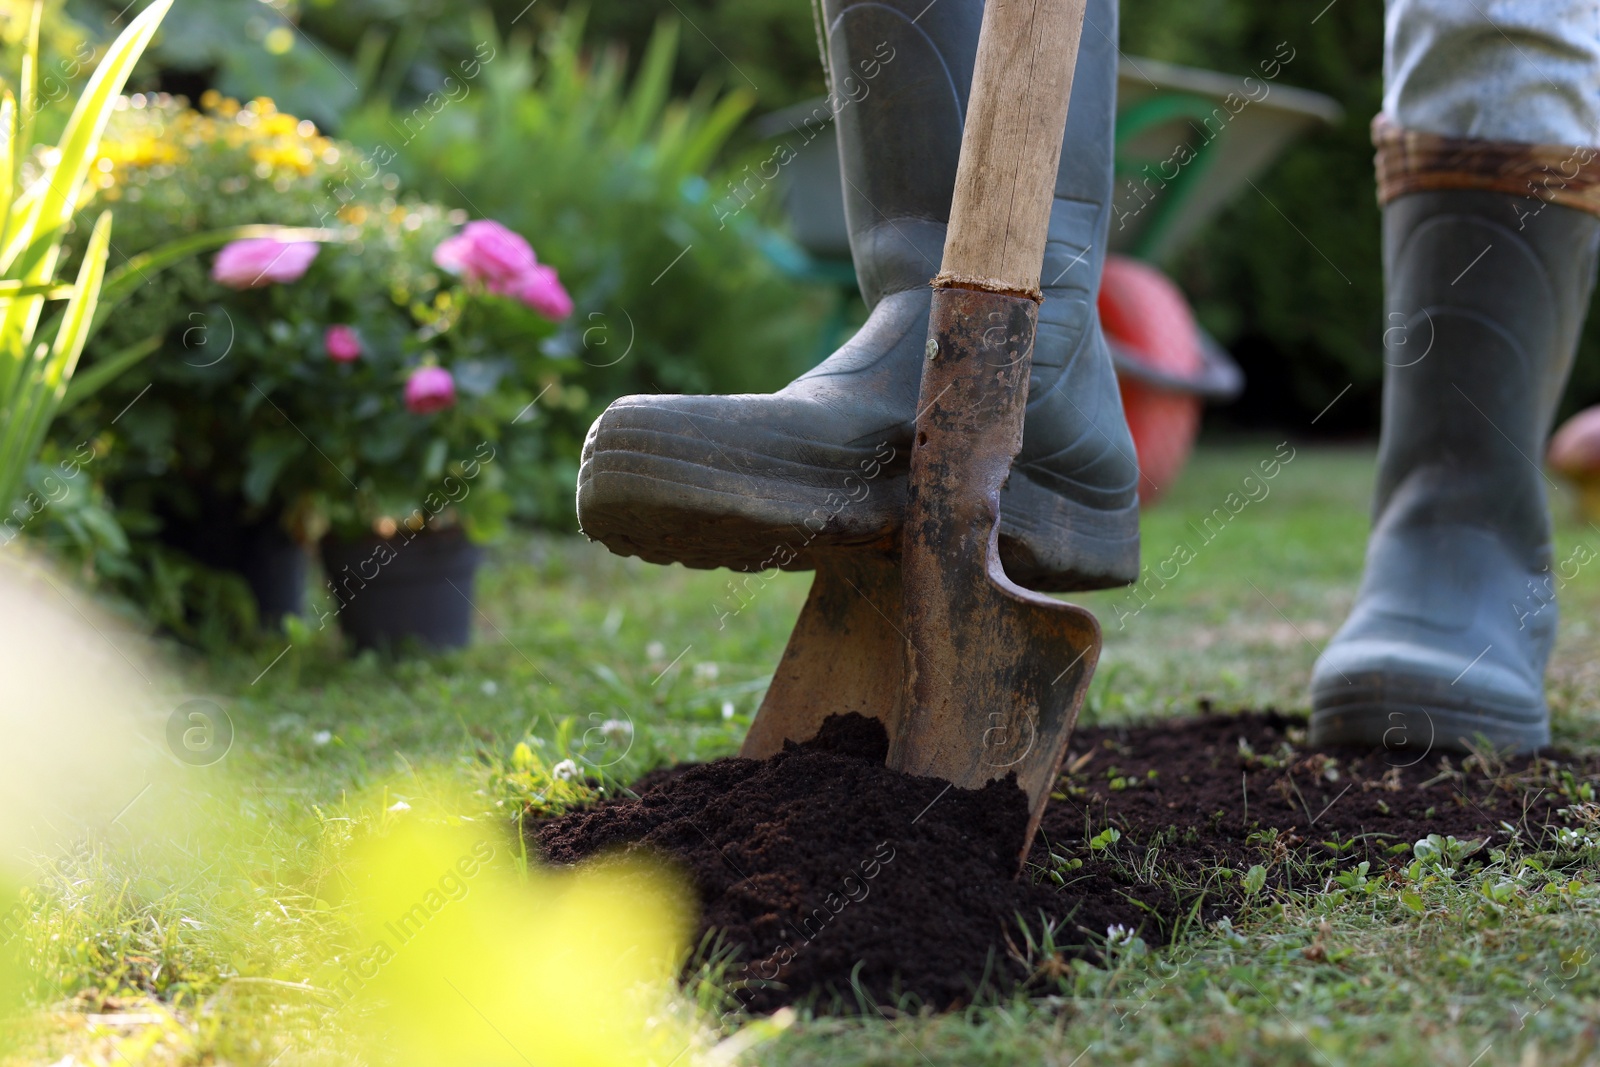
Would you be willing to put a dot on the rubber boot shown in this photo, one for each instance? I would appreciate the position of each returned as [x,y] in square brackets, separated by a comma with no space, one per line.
[757,481]
[1444,648]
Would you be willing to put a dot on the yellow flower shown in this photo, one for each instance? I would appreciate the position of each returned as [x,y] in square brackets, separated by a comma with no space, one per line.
[278,124]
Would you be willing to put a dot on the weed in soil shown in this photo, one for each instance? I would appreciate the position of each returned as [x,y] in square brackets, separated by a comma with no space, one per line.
[832,879]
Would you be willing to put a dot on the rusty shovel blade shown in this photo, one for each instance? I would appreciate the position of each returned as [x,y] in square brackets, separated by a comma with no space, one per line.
[846,653]
[994,674]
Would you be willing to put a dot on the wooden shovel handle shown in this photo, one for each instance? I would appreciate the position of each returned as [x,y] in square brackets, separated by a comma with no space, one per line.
[1011,145]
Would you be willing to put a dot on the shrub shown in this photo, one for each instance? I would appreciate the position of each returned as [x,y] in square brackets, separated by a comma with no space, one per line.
[611,174]
[304,403]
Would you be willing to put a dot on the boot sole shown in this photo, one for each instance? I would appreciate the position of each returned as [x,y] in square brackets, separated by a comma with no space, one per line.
[1415,717]
[671,497]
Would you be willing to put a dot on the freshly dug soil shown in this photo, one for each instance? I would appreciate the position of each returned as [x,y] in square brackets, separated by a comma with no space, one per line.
[837,879]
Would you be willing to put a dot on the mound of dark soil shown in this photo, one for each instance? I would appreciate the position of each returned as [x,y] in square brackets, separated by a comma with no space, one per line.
[834,876]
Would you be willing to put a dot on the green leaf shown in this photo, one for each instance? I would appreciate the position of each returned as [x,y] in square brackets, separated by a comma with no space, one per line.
[1254,879]
[8,160]
[433,461]
[12,290]
[651,84]
[106,369]
[267,457]
[1105,839]
[62,181]
[32,379]
[45,381]
[135,271]
[28,83]
[1411,899]
[75,320]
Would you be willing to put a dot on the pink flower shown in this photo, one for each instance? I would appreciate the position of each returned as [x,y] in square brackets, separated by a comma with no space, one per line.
[485,251]
[343,344]
[430,389]
[541,290]
[260,261]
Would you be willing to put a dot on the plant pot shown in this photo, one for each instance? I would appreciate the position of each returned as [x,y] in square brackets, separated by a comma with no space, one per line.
[391,590]
[272,563]
[275,566]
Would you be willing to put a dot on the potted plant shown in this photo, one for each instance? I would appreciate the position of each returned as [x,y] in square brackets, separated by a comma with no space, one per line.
[400,555]
[297,394]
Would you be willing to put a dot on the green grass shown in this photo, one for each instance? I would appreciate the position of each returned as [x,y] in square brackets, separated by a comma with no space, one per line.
[236,869]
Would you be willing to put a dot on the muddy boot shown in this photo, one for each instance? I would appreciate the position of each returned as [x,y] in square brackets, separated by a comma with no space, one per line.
[1445,644]
[759,481]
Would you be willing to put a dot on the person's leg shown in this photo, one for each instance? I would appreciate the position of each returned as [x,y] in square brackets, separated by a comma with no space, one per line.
[1489,196]
[1520,71]
[756,481]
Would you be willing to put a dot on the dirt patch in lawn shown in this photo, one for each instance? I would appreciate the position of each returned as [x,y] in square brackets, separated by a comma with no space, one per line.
[836,879]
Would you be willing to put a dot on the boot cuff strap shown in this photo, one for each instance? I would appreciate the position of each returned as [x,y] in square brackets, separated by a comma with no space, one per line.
[1411,161]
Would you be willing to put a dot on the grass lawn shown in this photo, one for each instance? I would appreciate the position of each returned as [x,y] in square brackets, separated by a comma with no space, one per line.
[231,870]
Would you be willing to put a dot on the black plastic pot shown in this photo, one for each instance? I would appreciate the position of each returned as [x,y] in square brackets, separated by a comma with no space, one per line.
[276,566]
[392,590]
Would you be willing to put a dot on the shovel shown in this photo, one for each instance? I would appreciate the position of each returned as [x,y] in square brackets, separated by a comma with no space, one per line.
[973,677]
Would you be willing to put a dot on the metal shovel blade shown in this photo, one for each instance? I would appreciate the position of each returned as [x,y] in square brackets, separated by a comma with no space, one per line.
[994,674]
[846,653]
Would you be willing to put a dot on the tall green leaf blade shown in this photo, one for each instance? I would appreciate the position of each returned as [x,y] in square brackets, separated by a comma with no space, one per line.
[651,84]
[30,417]
[81,139]
[10,364]
[38,379]
[28,86]
[8,161]
[105,370]
[80,308]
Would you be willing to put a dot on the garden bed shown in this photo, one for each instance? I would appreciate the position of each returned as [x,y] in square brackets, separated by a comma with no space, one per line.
[837,880]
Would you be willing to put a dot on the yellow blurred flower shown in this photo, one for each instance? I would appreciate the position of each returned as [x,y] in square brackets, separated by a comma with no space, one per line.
[464,960]
[159,133]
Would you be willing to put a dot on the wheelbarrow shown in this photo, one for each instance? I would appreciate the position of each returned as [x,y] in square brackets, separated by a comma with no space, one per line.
[1226,129]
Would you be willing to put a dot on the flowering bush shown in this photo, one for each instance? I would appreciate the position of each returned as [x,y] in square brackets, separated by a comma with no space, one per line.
[592,156]
[316,388]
